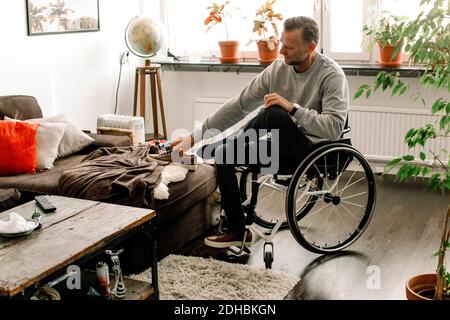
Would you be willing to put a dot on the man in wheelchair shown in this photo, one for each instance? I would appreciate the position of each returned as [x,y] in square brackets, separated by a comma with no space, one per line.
[304,101]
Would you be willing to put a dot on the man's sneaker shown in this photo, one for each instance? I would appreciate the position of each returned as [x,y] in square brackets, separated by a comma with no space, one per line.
[162,157]
[229,239]
[188,161]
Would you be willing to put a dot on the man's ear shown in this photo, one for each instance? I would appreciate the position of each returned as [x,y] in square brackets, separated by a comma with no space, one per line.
[312,46]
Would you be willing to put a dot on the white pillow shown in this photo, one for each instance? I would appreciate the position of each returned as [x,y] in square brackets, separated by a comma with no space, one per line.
[48,138]
[73,139]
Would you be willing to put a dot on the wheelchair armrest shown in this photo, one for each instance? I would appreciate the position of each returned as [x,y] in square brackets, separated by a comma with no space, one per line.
[346,130]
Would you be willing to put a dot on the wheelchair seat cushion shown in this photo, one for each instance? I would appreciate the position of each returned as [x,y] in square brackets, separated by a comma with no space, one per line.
[325,143]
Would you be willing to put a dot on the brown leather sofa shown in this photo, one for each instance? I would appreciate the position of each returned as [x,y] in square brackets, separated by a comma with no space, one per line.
[180,219]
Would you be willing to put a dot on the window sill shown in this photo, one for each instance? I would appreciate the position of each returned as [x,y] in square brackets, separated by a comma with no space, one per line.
[214,65]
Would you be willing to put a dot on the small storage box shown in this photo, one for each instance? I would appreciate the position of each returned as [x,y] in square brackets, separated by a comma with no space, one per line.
[122,125]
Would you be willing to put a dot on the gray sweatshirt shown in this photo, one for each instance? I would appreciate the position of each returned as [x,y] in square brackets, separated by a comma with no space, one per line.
[321,93]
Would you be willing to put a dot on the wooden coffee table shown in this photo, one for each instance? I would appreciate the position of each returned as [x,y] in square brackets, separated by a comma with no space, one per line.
[74,234]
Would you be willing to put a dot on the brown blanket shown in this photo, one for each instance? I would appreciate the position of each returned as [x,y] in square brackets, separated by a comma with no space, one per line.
[118,175]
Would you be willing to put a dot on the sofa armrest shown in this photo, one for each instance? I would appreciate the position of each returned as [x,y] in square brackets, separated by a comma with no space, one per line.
[105,140]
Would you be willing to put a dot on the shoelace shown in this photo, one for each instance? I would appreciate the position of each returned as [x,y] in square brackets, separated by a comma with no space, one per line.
[160,154]
[164,153]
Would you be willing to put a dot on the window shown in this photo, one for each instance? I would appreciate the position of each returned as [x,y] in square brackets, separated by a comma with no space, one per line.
[343,22]
[184,20]
[407,8]
[340,21]
[345,34]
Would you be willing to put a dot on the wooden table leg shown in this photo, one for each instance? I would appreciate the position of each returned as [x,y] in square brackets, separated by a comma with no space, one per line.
[155,268]
[136,84]
[150,231]
[142,92]
[154,104]
[161,104]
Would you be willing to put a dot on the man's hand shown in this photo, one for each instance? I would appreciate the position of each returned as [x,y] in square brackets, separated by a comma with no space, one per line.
[184,142]
[274,99]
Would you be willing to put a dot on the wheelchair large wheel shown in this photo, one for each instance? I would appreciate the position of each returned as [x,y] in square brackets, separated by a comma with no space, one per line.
[270,203]
[344,204]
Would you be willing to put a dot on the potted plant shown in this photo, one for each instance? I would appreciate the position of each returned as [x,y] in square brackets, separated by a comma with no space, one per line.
[229,48]
[426,39]
[388,33]
[265,25]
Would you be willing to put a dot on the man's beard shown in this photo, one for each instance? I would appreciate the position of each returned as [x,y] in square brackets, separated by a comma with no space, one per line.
[299,59]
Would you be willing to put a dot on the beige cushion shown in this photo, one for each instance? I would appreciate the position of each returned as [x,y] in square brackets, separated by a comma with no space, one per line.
[48,138]
[73,139]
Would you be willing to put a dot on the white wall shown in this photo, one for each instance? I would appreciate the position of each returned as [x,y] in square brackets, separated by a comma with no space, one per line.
[76,73]
[181,88]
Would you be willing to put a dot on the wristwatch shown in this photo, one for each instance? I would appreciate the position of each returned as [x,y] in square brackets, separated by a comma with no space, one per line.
[294,109]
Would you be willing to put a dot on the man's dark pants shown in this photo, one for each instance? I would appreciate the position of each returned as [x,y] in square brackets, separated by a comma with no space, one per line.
[293,147]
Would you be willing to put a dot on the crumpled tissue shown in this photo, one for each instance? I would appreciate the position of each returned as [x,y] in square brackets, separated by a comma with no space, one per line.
[16,223]
[170,173]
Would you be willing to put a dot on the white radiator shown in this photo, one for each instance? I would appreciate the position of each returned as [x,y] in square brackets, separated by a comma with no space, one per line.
[203,107]
[378,132]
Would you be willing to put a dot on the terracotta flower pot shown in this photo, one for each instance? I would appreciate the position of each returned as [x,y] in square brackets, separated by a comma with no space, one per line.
[386,54]
[229,51]
[421,287]
[267,56]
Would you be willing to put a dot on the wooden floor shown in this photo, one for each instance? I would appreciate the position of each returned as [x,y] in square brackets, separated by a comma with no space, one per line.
[398,243]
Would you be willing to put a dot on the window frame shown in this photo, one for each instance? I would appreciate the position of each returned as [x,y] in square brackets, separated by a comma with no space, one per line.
[245,53]
[322,15]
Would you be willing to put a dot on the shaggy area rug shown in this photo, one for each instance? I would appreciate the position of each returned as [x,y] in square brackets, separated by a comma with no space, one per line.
[195,278]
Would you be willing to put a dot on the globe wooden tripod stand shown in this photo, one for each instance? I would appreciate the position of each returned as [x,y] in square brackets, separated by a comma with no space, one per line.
[151,70]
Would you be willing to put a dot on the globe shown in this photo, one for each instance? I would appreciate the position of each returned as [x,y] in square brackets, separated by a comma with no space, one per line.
[143,37]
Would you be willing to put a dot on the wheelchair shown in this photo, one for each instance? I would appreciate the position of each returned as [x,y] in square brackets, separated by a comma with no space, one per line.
[328,201]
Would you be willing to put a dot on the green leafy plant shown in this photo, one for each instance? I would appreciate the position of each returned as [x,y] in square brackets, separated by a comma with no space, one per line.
[388,31]
[426,39]
[265,24]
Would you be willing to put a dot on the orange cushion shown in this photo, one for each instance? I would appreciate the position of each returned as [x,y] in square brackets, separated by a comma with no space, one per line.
[17,147]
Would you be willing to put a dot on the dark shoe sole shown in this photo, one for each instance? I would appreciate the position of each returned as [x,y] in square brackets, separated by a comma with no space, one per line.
[158,161]
[224,245]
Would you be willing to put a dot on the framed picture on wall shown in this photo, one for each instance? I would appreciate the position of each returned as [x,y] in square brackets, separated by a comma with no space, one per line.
[62,16]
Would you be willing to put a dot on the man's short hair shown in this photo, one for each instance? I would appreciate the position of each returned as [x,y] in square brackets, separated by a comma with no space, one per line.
[309,26]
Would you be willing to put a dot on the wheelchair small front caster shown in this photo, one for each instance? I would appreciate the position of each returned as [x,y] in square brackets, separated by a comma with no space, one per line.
[268,259]
[268,255]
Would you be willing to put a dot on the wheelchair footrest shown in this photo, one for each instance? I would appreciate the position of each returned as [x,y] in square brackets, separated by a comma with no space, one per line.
[243,247]
[238,251]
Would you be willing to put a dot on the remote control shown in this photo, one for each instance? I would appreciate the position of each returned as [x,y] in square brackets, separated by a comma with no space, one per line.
[45,204]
